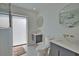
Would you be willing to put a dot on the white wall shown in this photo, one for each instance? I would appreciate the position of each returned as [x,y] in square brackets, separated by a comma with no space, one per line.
[50,12]
[51,27]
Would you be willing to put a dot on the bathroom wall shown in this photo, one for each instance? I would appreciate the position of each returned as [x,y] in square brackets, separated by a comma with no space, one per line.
[75,30]
[50,13]
[51,26]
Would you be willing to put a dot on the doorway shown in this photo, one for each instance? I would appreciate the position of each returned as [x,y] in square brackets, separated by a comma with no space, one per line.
[20,34]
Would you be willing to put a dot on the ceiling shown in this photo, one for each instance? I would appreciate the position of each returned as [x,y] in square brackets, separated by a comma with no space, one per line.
[42,6]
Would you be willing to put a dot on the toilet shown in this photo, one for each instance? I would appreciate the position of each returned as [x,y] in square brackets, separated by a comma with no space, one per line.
[43,48]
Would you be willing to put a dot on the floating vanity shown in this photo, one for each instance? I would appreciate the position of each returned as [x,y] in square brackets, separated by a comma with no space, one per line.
[62,47]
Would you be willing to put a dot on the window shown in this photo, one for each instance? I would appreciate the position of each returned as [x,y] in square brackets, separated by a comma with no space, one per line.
[4,21]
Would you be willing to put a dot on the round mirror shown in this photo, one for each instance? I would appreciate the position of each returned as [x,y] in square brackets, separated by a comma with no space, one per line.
[39,22]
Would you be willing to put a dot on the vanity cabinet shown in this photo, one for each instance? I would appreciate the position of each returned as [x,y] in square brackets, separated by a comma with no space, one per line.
[65,52]
[53,50]
[56,50]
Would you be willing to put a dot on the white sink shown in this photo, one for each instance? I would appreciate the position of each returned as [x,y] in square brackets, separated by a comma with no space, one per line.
[72,40]
[68,40]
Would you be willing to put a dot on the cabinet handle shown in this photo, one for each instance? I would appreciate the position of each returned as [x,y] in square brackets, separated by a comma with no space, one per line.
[58,52]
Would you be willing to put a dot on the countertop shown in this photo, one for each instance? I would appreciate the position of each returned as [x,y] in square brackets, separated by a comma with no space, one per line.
[70,45]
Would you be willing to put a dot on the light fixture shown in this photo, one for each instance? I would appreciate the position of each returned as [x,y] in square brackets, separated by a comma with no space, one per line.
[34,8]
[69,16]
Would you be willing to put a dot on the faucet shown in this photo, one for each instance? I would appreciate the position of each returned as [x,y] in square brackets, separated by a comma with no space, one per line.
[67,36]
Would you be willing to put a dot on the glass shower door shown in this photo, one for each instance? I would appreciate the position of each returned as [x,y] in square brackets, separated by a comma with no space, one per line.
[19,30]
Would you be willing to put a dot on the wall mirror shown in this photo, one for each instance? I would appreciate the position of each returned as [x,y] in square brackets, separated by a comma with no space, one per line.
[69,15]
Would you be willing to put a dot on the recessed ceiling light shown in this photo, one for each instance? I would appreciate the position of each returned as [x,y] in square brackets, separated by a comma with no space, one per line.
[34,8]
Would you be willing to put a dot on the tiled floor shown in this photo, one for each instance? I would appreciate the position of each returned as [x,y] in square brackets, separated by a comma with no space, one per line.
[31,51]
